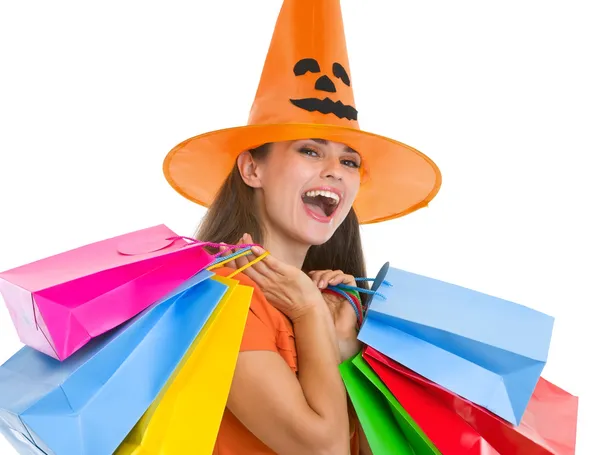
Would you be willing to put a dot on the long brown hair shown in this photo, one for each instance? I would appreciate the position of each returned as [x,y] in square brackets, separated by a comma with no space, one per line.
[232,214]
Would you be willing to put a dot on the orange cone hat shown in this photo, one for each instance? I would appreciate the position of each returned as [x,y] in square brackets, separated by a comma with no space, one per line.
[305,92]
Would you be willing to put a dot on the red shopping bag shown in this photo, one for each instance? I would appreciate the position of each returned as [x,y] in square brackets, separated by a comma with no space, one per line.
[459,427]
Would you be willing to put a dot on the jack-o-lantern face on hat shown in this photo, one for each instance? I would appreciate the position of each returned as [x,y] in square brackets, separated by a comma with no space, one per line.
[323,83]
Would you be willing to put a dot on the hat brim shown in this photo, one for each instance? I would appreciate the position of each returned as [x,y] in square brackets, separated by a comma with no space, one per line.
[397,179]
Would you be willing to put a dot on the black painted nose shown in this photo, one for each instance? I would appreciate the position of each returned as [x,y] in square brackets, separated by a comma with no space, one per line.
[325,84]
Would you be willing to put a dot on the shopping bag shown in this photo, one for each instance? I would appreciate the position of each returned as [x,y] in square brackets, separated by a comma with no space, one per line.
[186,416]
[59,303]
[387,426]
[87,404]
[458,427]
[485,349]
[450,434]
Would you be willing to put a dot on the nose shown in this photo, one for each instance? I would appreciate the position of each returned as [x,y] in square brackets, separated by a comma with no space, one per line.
[332,169]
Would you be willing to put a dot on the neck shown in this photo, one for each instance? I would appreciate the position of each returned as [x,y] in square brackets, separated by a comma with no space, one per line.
[285,249]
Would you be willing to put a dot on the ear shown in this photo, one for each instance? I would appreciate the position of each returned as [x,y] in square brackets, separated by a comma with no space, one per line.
[248,170]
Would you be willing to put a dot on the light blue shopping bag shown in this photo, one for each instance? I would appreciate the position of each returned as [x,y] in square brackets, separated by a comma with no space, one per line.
[87,404]
[488,350]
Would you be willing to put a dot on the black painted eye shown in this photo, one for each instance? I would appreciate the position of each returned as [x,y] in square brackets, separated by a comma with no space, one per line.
[306,65]
[340,73]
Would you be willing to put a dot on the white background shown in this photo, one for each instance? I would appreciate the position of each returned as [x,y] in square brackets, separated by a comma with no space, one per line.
[503,96]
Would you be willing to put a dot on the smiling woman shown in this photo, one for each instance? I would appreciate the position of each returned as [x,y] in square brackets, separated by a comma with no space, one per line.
[298,179]
[295,198]
[301,190]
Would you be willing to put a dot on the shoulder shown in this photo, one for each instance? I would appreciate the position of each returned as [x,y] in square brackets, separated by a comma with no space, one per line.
[267,329]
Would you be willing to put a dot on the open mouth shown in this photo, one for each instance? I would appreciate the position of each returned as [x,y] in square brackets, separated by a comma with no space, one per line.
[321,204]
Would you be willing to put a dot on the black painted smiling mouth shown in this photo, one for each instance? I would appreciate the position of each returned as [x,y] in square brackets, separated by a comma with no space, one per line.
[327,106]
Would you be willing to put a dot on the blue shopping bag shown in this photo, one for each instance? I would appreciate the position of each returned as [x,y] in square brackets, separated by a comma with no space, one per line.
[87,404]
[488,350]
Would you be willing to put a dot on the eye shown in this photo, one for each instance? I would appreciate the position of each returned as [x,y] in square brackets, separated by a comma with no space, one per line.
[351,163]
[309,151]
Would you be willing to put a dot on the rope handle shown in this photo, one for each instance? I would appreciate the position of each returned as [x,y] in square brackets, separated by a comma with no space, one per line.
[347,287]
[249,264]
[342,288]
[231,257]
[355,305]
[214,245]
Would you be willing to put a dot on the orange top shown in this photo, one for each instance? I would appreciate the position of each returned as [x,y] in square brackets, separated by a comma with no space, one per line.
[267,329]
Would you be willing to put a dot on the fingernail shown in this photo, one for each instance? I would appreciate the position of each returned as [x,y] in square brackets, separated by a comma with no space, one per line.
[257,250]
[322,284]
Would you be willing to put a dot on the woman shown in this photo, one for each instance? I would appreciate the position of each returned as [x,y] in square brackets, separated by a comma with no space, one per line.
[294,198]
[301,195]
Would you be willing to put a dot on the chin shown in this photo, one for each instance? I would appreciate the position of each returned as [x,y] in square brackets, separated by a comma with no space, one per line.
[316,239]
[314,233]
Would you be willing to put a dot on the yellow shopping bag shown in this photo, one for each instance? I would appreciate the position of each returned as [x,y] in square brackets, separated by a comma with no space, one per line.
[186,416]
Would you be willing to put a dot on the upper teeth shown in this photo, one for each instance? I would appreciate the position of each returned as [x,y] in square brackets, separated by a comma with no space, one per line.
[324,193]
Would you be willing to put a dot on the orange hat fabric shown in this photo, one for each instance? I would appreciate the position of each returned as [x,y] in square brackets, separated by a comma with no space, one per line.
[305,92]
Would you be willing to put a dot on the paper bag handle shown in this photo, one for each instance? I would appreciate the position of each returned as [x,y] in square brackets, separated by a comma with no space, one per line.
[138,246]
[231,257]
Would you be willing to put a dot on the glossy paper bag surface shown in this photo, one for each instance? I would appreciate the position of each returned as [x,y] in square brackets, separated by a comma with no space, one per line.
[186,417]
[87,404]
[450,433]
[58,304]
[488,350]
[459,427]
[387,426]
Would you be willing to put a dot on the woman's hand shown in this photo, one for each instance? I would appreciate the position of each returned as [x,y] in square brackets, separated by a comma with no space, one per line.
[286,287]
[344,316]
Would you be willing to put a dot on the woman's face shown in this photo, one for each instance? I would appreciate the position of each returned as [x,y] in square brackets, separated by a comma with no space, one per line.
[308,188]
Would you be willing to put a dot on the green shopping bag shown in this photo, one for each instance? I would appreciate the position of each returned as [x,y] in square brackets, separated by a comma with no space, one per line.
[387,426]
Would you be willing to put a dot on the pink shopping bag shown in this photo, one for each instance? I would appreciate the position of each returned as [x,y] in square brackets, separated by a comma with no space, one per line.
[59,303]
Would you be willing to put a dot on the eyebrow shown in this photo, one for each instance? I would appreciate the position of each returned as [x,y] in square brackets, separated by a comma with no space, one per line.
[325,142]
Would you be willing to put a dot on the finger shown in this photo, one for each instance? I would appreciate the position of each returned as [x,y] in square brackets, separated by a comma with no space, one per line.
[339,277]
[257,272]
[317,278]
[247,238]
[269,265]
[258,276]
[329,278]
[255,276]
[241,260]
[269,268]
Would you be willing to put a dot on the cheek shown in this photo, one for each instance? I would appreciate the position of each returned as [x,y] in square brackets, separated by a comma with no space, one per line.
[352,188]
[288,177]
[283,185]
